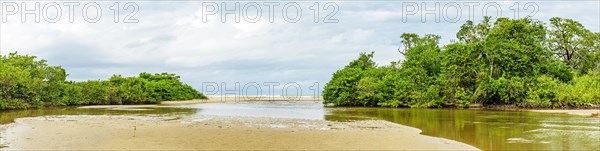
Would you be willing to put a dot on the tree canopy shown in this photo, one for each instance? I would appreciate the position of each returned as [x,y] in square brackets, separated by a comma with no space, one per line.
[506,62]
[27,82]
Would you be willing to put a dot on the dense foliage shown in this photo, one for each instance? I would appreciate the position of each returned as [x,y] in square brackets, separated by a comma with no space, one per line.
[508,62]
[26,82]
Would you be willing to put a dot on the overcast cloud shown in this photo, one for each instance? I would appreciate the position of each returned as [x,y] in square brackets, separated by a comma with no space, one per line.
[171,37]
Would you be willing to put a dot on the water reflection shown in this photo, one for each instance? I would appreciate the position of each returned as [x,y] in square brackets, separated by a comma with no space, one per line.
[484,129]
[9,116]
[491,130]
[280,109]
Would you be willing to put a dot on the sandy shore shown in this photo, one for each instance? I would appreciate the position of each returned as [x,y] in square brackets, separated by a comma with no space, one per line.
[219,99]
[183,132]
[588,113]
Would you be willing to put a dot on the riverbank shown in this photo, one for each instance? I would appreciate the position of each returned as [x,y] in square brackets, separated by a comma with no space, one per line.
[219,99]
[588,113]
[180,132]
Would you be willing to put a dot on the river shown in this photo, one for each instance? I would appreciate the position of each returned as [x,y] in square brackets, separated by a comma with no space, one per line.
[484,129]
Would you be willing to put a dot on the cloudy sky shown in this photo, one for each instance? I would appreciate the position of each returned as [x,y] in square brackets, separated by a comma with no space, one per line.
[171,36]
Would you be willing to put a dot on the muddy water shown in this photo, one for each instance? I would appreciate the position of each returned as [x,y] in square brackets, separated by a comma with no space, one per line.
[484,129]
[491,130]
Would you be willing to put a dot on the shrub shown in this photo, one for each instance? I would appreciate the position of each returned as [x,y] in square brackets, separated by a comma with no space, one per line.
[583,90]
[9,104]
[430,98]
[27,82]
[503,91]
[542,92]
[463,97]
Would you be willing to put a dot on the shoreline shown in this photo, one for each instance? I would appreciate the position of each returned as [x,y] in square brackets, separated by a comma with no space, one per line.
[586,112]
[185,132]
[161,132]
[218,99]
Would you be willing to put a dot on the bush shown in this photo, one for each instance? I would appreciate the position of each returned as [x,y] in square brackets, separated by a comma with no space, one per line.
[463,97]
[96,92]
[367,93]
[342,88]
[559,69]
[9,104]
[584,90]
[430,98]
[542,93]
[501,91]
[26,82]
[73,95]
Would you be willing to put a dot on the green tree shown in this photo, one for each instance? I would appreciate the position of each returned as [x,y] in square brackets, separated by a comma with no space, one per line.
[342,88]
[462,65]
[573,43]
[514,48]
[26,82]
[507,62]
[543,92]
[29,80]
[421,68]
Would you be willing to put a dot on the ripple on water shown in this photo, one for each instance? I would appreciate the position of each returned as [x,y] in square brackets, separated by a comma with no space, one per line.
[572,121]
[570,127]
[545,142]
[518,140]
[565,135]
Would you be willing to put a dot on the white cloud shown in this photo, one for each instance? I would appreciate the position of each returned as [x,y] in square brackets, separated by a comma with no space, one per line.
[171,37]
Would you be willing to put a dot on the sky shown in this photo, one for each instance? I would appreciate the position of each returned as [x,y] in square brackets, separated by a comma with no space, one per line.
[285,46]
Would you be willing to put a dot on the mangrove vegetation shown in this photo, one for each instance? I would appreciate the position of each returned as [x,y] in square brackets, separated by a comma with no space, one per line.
[507,62]
[27,82]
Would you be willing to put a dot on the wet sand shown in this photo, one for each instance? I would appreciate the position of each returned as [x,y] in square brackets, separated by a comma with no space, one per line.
[183,132]
[588,113]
